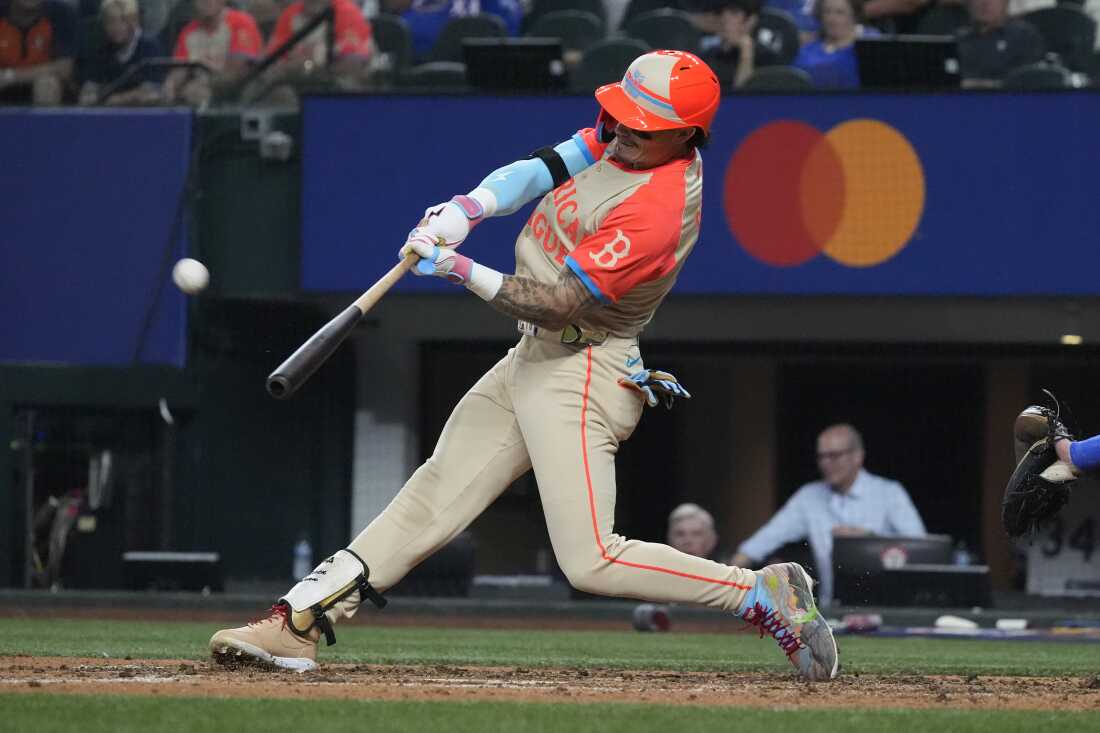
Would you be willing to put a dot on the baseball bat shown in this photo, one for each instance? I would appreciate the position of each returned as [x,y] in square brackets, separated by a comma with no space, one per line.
[292,373]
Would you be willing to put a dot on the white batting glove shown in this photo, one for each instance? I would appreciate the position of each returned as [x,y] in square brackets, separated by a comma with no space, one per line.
[452,220]
[435,259]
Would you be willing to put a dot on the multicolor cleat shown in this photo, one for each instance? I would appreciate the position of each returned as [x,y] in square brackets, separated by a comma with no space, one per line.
[783,607]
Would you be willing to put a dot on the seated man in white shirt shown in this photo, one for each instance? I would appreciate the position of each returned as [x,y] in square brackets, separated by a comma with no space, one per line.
[847,502]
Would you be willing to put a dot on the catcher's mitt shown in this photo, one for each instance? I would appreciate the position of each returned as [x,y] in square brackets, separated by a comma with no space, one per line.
[1040,485]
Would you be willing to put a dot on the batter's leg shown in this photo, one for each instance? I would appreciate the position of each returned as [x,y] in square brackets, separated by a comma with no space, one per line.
[479,454]
[573,415]
[573,420]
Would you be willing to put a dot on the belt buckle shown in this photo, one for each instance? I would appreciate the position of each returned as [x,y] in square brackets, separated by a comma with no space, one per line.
[576,336]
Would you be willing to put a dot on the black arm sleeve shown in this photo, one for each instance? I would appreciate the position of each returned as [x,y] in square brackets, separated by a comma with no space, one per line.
[553,163]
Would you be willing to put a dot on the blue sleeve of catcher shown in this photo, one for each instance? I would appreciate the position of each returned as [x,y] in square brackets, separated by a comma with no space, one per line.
[518,183]
[1085,454]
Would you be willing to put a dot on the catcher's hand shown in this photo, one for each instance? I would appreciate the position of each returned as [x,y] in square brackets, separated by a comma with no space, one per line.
[656,386]
[1040,485]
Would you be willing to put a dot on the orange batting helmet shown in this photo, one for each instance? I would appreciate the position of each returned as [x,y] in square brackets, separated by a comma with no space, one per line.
[663,90]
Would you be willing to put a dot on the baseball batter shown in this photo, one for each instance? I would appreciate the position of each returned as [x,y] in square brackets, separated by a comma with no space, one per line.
[619,214]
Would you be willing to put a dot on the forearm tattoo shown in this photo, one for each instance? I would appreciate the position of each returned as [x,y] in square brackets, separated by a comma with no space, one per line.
[552,307]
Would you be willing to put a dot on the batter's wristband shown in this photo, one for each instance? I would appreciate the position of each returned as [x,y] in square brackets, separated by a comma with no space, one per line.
[473,210]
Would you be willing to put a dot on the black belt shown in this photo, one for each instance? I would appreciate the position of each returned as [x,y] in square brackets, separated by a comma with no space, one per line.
[571,335]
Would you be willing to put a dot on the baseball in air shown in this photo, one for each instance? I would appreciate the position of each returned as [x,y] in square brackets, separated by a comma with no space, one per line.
[190,276]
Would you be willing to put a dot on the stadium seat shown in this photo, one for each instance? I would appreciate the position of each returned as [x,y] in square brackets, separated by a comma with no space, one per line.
[1068,31]
[777,32]
[448,47]
[605,62]
[778,79]
[943,20]
[577,29]
[665,28]
[543,7]
[1043,75]
[394,41]
[449,75]
[641,7]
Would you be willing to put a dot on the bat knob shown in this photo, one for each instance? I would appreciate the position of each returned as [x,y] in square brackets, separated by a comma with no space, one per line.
[278,386]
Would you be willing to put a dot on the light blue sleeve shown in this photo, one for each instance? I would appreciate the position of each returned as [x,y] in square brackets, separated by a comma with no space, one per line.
[788,524]
[517,183]
[904,518]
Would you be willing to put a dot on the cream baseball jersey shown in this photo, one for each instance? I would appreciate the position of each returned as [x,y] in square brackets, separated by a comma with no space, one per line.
[625,233]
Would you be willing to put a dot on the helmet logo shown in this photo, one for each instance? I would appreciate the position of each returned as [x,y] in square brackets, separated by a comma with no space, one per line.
[610,255]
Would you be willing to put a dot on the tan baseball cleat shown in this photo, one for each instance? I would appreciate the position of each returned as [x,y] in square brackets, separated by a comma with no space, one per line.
[268,641]
[784,608]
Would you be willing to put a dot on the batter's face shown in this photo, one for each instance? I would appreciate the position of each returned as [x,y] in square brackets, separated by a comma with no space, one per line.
[693,535]
[838,458]
[641,150]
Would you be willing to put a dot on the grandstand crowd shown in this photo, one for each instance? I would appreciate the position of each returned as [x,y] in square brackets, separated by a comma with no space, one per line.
[143,52]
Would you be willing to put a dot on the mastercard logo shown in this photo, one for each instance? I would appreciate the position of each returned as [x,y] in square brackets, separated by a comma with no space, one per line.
[854,194]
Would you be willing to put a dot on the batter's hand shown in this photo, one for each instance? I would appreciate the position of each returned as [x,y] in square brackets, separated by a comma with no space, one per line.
[656,386]
[435,259]
[452,220]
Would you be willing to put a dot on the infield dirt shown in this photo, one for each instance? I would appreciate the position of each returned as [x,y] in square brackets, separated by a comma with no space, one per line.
[187,678]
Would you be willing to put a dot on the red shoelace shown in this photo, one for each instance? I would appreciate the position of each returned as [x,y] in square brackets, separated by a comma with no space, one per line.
[279,609]
[773,623]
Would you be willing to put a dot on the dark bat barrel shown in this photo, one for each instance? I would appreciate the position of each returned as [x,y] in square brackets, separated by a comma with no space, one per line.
[292,373]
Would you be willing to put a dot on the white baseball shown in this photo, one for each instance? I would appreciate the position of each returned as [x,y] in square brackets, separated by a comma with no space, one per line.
[190,276]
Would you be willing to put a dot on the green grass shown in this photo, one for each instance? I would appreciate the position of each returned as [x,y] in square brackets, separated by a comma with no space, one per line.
[42,712]
[625,649]
[48,713]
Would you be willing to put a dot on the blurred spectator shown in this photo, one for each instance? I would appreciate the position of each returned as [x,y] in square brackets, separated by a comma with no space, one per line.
[847,502]
[831,60]
[307,63]
[37,47]
[691,530]
[995,44]
[426,18]
[124,47]
[226,41]
[802,11]
[731,52]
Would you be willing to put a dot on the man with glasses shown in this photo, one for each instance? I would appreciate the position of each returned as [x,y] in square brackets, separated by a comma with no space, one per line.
[847,502]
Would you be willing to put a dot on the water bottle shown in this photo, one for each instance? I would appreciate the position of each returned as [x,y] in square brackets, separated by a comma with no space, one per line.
[961,555]
[303,558]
